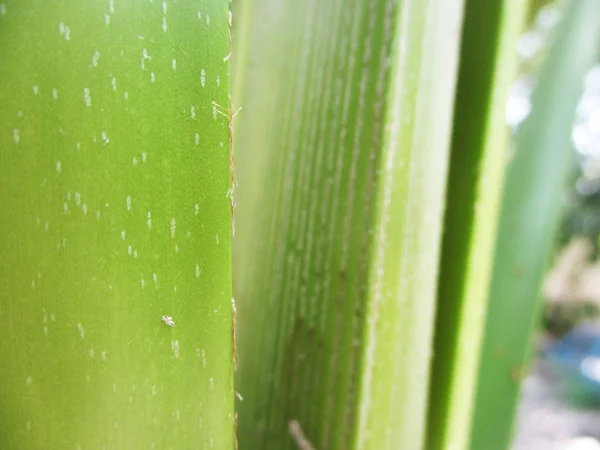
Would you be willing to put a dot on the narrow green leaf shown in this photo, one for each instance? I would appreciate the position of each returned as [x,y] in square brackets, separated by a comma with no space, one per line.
[479,156]
[529,211]
[114,170]
[345,136]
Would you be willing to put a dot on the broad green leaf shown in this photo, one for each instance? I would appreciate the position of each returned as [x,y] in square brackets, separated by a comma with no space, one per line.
[114,173]
[342,159]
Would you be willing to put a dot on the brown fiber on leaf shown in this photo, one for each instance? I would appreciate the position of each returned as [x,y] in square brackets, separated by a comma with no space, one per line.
[298,435]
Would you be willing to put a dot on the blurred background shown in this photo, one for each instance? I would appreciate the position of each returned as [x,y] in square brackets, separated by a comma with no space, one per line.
[560,398]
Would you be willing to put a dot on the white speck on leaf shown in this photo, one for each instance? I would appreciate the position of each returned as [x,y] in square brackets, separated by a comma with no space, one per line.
[145,56]
[80,330]
[87,97]
[95,58]
[173,227]
[175,347]
[64,30]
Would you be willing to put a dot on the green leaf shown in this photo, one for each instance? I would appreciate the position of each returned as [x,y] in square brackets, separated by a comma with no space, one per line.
[479,158]
[345,138]
[529,214]
[114,172]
